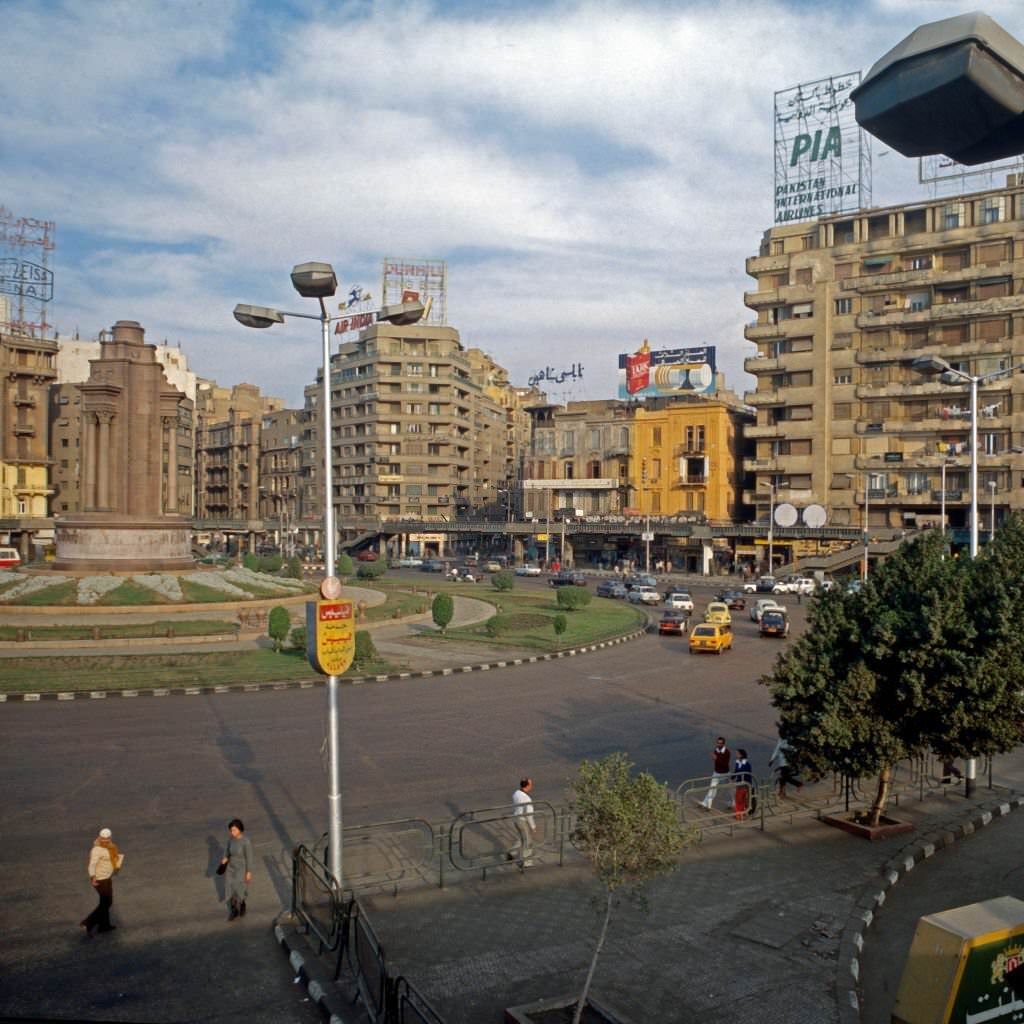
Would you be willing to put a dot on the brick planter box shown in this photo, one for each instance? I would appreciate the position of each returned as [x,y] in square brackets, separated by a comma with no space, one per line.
[885,828]
[559,1010]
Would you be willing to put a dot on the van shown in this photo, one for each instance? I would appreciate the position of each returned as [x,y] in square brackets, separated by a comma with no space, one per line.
[9,558]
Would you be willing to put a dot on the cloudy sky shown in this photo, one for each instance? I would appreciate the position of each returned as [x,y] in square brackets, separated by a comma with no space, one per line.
[593,173]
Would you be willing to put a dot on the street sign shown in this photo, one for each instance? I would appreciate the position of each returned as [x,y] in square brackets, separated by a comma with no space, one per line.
[647,535]
[330,636]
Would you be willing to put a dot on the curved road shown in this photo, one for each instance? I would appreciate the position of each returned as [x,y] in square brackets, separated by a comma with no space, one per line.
[167,773]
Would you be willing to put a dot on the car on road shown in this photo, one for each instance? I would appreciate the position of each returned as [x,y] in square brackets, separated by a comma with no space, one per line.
[803,585]
[679,600]
[644,595]
[718,611]
[672,624]
[640,580]
[492,566]
[774,623]
[611,588]
[733,599]
[409,563]
[710,637]
[760,607]
[527,569]
[433,565]
[367,555]
[568,578]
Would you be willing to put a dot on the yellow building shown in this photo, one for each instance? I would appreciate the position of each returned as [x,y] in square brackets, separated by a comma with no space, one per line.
[686,458]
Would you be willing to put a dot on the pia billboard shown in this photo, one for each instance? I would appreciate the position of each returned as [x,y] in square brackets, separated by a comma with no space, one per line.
[648,373]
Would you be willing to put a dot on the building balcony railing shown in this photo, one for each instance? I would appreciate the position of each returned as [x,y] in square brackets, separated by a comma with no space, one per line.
[766,264]
[1000,306]
[761,364]
[690,481]
[925,277]
[688,449]
[951,495]
[764,332]
[770,397]
[769,430]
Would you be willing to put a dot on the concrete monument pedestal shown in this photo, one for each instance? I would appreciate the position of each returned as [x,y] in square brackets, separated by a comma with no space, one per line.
[97,542]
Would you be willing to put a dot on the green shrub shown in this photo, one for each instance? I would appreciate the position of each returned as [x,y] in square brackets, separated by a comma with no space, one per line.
[294,567]
[297,637]
[503,581]
[343,566]
[371,570]
[559,623]
[571,599]
[278,626]
[366,650]
[251,562]
[269,563]
[442,610]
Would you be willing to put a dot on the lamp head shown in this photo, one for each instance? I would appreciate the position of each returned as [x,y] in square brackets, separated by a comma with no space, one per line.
[930,366]
[257,316]
[314,280]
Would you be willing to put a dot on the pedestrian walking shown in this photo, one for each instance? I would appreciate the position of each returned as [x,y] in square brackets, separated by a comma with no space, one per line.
[104,860]
[743,777]
[236,866]
[720,760]
[522,818]
[784,774]
[950,771]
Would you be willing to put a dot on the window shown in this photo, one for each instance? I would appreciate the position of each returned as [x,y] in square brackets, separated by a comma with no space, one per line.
[951,216]
[956,259]
[842,411]
[918,301]
[414,369]
[434,408]
[655,470]
[844,306]
[994,289]
[805,275]
[595,440]
[917,483]
[799,482]
[802,311]
[568,470]
[656,437]
[993,209]
[414,428]
[842,377]
[700,439]
[991,444]
[920,263]
[843,271]
[63,442]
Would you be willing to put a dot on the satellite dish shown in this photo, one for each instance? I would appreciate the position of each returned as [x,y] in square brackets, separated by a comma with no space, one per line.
[785,514]
[814,516]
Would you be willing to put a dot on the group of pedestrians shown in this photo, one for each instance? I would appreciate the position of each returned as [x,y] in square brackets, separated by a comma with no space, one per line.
[740,772]
[106,860]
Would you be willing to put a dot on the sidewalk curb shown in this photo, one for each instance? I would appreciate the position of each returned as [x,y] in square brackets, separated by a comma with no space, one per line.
[305,967]
[851,942]
[306,684]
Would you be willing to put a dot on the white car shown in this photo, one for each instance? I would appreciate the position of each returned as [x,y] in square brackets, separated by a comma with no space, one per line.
[679,601]
[529,569]
[765,604]
[409,563]
[644,595]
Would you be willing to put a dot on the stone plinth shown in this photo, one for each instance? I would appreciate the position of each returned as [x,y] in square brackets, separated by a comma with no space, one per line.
[105,543]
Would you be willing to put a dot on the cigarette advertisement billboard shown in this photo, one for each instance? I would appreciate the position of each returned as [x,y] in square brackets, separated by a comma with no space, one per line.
[648,373]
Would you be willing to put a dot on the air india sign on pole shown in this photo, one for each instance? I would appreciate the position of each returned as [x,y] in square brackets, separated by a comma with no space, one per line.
[330,636]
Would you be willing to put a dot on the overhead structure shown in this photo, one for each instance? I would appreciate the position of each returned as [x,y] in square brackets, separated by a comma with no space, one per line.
[26,281]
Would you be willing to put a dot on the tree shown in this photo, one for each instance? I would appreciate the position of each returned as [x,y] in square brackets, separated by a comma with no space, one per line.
[371,570]
[906,666]
[442,610]
[294,570]
[278,625]
[559,624]
[572,598]
[343,565]
[297,638]
[627,827]
[365,651]
[503,581]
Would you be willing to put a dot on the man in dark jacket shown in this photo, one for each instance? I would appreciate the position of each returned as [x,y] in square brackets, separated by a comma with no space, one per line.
[722,769]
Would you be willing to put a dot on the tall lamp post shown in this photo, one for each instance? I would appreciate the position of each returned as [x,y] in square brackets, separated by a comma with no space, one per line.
[992,513]
[318,281]
[935,366]
[771,525]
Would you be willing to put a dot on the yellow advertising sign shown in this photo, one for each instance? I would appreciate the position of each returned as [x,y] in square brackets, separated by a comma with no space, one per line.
[330,636]
[542,536]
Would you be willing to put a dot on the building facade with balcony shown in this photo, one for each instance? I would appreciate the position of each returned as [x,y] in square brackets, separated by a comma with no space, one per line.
[844,305]
[289,523]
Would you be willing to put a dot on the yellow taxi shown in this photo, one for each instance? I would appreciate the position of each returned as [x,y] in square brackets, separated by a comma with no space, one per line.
[710,637]
[718,611]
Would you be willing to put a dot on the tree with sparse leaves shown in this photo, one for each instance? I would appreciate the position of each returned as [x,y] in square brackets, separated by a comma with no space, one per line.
[627,826]
[278,625]
[442,610]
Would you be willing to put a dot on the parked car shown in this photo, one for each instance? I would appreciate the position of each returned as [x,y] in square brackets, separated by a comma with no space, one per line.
[640,580]
[718,611]
[710,636]
[410,563]
[733,599]
[367,555]
[765,585]
[568,578]
[774,623]
[433,565]
[492,566]
[679,600]
[472,561]
[610,588]
[760,607]
[644,595]
[794,585]
[672,624]
[527,569]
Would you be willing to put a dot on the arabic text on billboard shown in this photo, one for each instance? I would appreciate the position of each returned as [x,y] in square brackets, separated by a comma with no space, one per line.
[647,373]
[822,156]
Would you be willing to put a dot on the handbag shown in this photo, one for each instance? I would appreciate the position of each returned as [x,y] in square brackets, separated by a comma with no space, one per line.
[222,867]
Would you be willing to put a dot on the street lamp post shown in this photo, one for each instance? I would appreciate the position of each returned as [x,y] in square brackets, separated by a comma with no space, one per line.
[992,513]
[867,538]
[318,281]
[771,525]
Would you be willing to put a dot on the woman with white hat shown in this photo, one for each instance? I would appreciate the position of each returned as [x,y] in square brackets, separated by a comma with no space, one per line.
[104,860]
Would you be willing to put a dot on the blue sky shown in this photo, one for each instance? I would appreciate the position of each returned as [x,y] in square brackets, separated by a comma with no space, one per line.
[594,173]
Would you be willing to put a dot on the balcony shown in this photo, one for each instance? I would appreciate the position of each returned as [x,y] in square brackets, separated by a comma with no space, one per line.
[769,397]
[1002,306]
[765,332]
[924,278]
[25,401]
[24,430]
[690,481]
[766,264]
[688,449]
[769,430]
[951,496]
[761,364]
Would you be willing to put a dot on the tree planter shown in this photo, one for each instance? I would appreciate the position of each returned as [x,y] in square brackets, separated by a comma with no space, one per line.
[856,824]
[559,1010]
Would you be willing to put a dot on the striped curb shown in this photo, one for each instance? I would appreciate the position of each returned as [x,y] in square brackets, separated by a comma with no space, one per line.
[306,684]
[322,995]
[851,943]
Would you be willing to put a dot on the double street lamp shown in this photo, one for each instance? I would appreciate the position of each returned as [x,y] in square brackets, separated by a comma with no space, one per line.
[318,281]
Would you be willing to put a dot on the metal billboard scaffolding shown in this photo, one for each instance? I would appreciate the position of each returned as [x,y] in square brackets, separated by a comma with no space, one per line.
[25,245]
[424,280]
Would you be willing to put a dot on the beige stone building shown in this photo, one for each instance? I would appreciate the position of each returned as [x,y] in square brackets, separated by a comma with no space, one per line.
[415,432]
[844,305]
[281,507]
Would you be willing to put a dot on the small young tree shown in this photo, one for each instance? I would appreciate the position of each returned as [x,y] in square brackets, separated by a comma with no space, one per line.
[366,650]
[559,624]
[573,598]
[278,625]
[251,562]
[294,570]
[442,610]
[371,570]
[627,826]
[503,581]
[343,565]
[297,638]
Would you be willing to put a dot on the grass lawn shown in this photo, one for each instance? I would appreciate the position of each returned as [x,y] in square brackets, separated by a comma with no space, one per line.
[146,671]
[398,601]
[180,627]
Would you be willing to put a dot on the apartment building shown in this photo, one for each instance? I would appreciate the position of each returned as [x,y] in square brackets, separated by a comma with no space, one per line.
[414,431]
[844,305]
[578,458]
[281,474]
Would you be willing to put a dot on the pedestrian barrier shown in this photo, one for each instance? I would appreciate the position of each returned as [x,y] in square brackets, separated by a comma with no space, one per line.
[316,899]
[482,839]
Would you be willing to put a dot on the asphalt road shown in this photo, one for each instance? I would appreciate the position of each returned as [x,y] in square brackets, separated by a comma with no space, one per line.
[167,773]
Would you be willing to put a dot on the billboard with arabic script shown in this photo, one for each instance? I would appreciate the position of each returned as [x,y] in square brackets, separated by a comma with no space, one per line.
[647,373]
[822,156]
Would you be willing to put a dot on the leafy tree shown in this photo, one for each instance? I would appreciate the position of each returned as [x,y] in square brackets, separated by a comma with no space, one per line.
[269,563]
[294,570]
[371,570]
[442,610]
[627,827]
[572,598]
[366,650]
[503,581]
[297,637]
[343,565]
[559,623]
[251,562]
[278,625]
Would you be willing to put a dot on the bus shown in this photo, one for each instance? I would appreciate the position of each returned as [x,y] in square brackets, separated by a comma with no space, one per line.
[9,558]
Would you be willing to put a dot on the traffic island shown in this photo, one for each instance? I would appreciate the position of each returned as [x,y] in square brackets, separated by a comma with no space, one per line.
[856,823]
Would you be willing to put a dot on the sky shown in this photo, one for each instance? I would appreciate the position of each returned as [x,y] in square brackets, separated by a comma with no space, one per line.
[593,173]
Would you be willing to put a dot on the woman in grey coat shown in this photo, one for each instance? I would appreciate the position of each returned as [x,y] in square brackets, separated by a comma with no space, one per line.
[238,863]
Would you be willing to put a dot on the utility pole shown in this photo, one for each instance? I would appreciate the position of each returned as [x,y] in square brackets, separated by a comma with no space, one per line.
[647,544]
[867,540]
